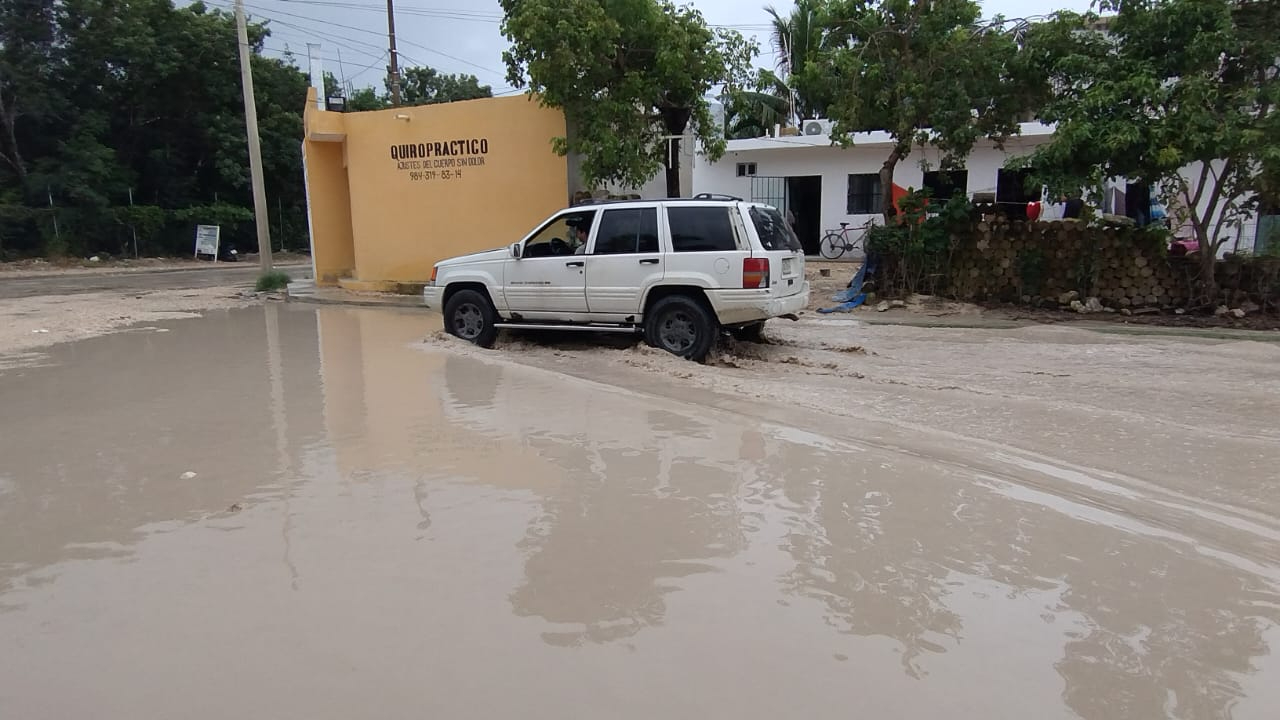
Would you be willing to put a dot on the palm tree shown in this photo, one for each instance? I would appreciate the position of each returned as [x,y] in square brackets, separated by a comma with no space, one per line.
[754,113]
[799,37]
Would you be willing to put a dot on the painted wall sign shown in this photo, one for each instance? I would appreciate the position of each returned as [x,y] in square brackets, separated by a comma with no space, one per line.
[439,160]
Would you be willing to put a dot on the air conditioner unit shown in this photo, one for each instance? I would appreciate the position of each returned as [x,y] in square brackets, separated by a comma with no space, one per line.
[816,127]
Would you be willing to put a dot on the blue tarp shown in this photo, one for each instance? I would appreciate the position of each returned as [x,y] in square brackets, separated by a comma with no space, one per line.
[853,296]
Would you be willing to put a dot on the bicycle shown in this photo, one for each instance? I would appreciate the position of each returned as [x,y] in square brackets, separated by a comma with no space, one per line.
[837,243]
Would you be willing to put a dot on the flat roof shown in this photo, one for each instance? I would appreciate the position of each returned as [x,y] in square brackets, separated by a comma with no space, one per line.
[865,139]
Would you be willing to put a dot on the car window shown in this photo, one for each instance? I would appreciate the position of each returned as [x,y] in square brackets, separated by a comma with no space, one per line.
[633,230]
[774,232]
[561,236]
[701,229]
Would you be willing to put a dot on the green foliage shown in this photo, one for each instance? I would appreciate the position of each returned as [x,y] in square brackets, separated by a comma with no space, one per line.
[1170,84]
[800,38]
[752,113]
[145,220]
[627,73]
[107,105]
[365,99]
[925,72]
[223,214]
[916,246]
[428,86]
[272,281]
[419,85]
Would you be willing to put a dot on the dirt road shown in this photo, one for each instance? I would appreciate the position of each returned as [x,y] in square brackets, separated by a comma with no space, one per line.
[74,283]
[40,310]
[298,512]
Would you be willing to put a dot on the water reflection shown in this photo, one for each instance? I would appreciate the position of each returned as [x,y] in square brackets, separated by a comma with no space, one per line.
[645,498]
[452,521]
[1149,628]
[95,440]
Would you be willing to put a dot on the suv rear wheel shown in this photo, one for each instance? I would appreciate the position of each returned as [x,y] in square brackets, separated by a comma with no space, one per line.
[470,316]
[681,326]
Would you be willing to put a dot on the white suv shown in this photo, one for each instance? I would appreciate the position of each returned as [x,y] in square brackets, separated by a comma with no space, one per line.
[678,270]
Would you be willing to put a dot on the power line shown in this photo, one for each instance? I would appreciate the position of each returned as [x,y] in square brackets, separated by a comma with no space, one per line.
[366,68]
[410,8]
[342,42]
[378,34]
[305,35]
[439,13]
[309,32]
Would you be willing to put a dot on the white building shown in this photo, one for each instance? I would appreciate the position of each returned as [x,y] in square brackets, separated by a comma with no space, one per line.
[824,185]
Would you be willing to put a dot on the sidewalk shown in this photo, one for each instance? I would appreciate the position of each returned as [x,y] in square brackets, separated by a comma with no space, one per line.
[906,319]
[305,291]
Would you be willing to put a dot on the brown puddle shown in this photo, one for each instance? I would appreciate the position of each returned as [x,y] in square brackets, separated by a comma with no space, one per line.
[374,530]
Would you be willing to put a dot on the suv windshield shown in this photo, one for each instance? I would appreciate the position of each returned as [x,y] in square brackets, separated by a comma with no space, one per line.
[774,232]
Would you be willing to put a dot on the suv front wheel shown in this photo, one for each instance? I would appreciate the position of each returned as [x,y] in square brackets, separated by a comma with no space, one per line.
[469,315]
[682,326]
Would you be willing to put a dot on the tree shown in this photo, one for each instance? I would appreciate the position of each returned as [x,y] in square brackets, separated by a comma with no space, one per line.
[428,86]
[130,114]
[799,39]
[26,99]
[419,86]
[367,98]
[928,72]
[630,76]
[752,113]
[1180,94]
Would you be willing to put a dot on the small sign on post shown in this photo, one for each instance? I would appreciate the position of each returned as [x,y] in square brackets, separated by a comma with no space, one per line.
[207,240]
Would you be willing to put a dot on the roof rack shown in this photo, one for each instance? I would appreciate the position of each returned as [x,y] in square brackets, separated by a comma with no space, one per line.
[623,201]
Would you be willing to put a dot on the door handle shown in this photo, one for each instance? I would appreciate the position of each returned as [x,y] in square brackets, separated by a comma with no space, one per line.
[650,261]
[575,263]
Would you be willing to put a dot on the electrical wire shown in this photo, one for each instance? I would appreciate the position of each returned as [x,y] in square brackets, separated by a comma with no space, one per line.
[402,40]
[379,7]
[365,69]
[441,13]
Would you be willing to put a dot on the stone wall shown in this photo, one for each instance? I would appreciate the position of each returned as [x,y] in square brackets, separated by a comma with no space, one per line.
[1066,260]
[1122,267]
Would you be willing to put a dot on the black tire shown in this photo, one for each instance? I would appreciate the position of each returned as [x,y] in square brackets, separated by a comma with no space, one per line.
[752,333]
[832,246]
[682,326]
[469,315]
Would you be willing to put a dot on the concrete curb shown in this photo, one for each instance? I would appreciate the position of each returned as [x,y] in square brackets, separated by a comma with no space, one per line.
[311,300]
[1267,336]
[305,292]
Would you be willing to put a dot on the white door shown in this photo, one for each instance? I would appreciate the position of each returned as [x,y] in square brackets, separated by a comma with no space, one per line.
[550,274]
[625,260]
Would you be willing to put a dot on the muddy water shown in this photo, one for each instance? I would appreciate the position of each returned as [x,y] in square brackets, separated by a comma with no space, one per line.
[378,529]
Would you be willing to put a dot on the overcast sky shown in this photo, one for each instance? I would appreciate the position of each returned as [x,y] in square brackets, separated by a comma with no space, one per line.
[457,36]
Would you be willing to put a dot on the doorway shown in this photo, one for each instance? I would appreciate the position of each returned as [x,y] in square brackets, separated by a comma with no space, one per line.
[1014,190]
[804,196]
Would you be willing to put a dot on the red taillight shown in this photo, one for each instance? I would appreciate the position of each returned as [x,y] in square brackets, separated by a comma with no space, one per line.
[755,273]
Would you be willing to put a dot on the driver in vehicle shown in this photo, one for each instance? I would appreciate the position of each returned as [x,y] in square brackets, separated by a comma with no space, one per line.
[579,229]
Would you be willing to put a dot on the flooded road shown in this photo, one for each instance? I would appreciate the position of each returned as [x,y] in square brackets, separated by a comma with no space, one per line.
[293,512]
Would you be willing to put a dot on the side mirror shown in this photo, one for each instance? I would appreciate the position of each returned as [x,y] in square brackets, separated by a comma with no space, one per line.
[515,251]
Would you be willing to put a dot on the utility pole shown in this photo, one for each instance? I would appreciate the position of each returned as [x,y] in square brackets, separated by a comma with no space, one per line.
[394,70]
[255,152]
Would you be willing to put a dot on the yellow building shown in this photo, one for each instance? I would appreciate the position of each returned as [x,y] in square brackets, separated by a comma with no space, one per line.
[391,192]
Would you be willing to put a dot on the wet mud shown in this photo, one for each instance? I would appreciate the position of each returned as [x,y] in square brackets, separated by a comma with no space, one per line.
[332,512]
